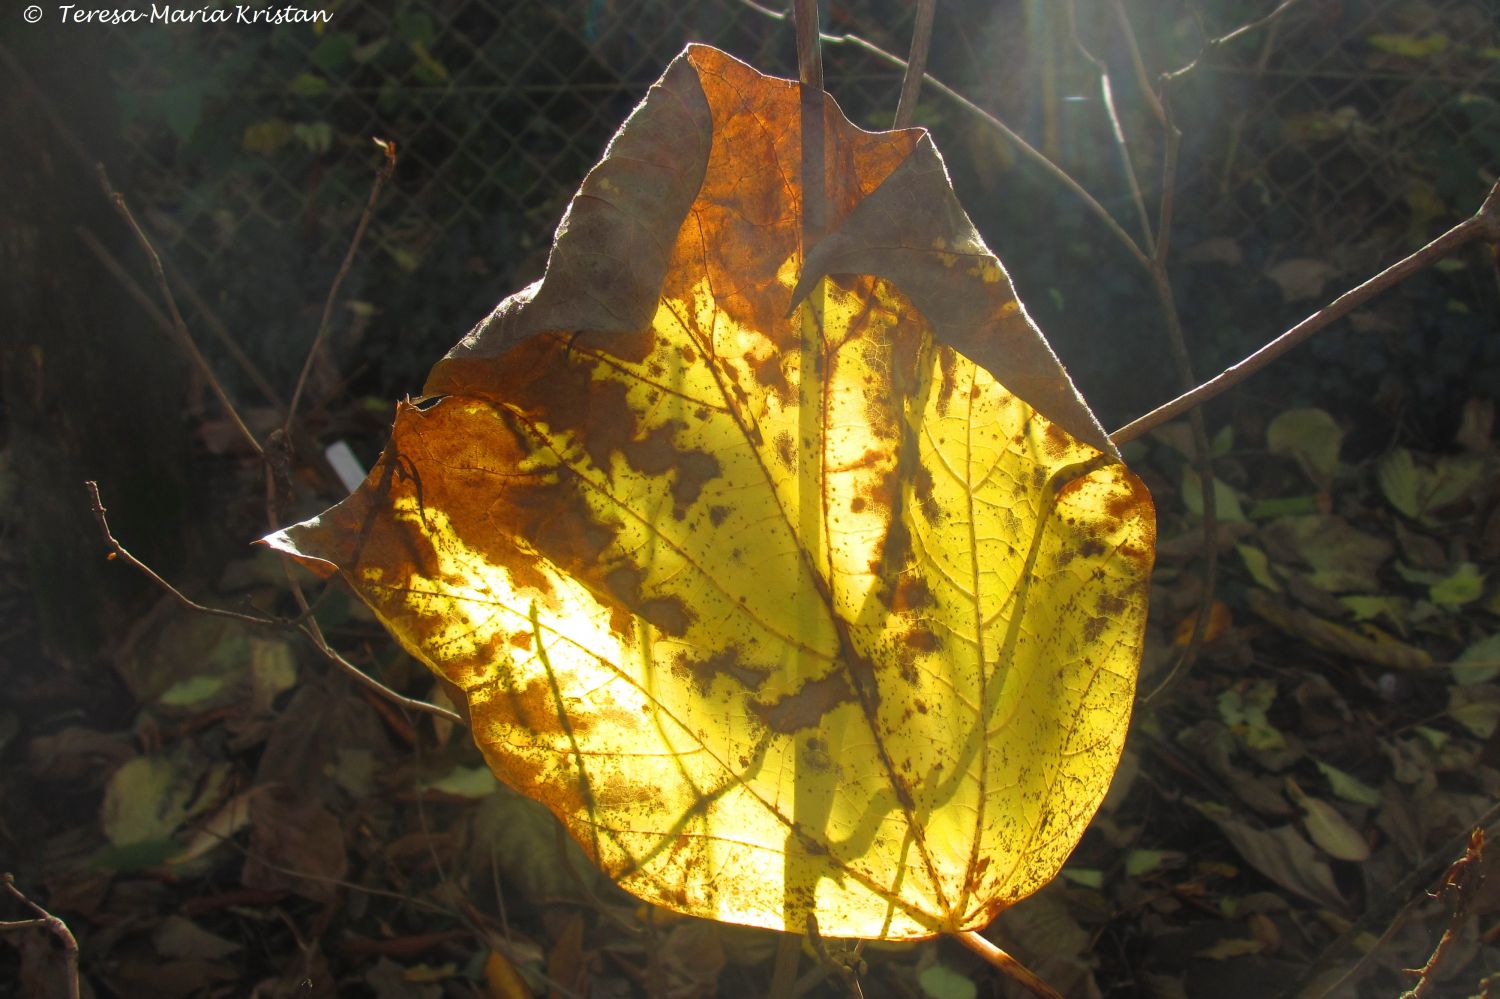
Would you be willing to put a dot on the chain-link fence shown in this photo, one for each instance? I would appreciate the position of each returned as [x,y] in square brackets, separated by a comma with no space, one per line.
[1343,122]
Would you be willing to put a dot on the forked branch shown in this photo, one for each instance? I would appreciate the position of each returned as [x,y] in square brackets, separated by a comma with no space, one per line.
[49,923]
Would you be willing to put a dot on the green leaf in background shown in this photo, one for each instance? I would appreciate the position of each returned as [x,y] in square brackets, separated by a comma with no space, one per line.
[1226,500]
[335,52]
[1243,708]
[150,797]
[1139,863]
[1342,557]
[307,85]
[1259,567]
[1410,46]
[1476,708]
[1421,493]
[1311,438]
[938,981]
[1368,607]
[1345,785]
[1327,827]
[1464,585]
[1479,662]
[266,137]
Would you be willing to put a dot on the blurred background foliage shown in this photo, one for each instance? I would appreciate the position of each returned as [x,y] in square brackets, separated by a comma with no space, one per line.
[1314,153]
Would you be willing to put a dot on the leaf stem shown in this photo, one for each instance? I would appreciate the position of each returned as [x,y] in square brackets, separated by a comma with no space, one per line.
[809,43]
[916,63]
[998,958]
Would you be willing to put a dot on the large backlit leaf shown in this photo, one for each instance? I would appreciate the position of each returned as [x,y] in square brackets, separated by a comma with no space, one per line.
[795,582]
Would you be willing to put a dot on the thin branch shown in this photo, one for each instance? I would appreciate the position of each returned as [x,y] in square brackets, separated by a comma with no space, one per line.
[1143,84]
[998,958]
[226,339]
[384,174]
[56,927]
[134,290]
[117,550]
[1106,91]
[1485,224]
[916,63]
[130,284]
[308,625]
[184,338]
[315,635]
[1213,44]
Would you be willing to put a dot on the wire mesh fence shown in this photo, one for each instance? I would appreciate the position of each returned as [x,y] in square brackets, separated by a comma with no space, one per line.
[1343,122]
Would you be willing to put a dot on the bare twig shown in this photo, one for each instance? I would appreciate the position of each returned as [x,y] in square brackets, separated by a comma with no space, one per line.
[916,63]
[117,550]
[1214,44]
[1106,92]
[998,958]
[226,339]
[387,168]
[184,338]
[1460,885]
[45,920]
[1484,224]
[307,624]
[310,628]
[130,284]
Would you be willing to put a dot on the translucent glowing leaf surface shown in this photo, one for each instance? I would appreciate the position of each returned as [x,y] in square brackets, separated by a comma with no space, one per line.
[795,579]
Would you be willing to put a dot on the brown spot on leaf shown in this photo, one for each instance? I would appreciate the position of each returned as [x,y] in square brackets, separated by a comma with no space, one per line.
[912,594]
[786,450]
[535,707]
[922,639]
[727,664]
[807,706]
[670,615]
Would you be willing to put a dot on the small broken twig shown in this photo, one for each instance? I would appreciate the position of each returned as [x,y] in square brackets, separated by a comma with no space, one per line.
[46,921]
[307,624]
[1460,885]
